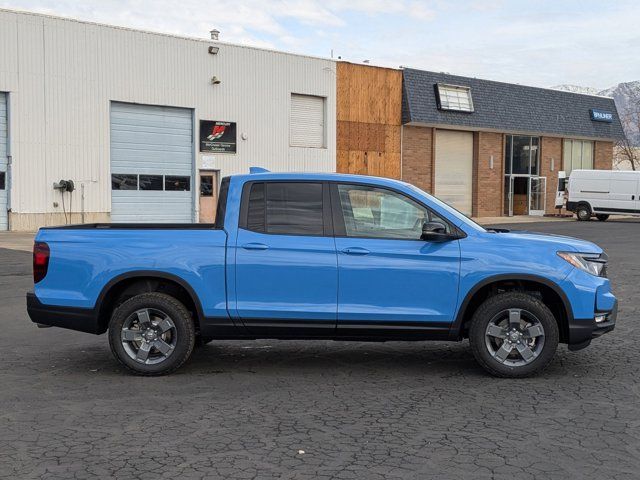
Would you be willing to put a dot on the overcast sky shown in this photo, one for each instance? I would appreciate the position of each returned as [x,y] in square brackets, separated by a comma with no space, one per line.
[543,43]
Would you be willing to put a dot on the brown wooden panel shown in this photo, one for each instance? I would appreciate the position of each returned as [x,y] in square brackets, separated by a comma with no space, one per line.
[369,94]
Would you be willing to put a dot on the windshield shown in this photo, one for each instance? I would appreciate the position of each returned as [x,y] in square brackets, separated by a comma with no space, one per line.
[450,210]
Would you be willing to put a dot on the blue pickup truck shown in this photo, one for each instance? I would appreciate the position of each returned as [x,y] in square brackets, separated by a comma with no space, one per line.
[322,256]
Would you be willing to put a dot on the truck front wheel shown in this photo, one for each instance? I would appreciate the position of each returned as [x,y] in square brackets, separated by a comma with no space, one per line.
[513,334]
[583,212]
[151,334]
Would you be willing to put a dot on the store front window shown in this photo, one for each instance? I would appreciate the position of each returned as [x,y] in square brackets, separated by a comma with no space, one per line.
[577,154]
[524,188]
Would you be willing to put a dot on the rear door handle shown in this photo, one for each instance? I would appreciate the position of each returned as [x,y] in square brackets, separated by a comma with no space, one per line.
[356,251]
[255,246]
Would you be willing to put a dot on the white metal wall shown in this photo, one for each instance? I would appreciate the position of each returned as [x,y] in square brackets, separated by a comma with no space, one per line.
[454,169]
[156,141]
[3,160]
[63,75]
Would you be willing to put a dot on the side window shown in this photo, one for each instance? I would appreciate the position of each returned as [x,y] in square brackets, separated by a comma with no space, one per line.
[380,213]
[286,208]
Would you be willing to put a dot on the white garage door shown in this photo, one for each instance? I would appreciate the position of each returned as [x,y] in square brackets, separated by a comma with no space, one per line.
[454,169]
[4,181]
[151,164]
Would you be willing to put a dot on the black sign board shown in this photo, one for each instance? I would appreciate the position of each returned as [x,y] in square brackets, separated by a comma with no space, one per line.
[217,136]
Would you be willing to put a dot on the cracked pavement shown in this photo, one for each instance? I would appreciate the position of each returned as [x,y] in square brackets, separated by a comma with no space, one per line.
[357,410]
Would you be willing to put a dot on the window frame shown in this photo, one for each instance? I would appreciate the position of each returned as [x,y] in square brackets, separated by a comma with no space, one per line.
[339,228]
[440,88]
[327,220]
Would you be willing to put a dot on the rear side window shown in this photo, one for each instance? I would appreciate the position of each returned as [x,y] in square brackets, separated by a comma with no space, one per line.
[286,208]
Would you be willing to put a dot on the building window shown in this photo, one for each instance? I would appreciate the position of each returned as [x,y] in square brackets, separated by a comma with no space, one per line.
[521,155]
[578,154]
[121,181]
[3,180]
[177,183]
[307,121]
[454,97]
[150,182]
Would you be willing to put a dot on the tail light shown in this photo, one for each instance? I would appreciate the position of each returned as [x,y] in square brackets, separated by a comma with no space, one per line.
[40,261]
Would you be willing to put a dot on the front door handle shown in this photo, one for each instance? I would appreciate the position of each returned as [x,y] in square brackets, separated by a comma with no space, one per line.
[255,246]
[356,251]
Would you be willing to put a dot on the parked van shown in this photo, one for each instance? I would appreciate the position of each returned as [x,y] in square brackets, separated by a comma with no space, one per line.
[603,193]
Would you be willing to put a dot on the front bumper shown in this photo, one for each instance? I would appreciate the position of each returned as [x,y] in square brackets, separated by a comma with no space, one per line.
[72,318]
[581,332]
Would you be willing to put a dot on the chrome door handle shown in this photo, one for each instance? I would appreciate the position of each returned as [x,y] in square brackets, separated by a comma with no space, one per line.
[255,246]
[355,251]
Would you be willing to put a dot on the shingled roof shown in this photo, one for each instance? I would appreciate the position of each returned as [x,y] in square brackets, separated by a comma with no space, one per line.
[507,107]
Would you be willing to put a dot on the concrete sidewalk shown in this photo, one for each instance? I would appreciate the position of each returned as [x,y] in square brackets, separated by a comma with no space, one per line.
[17,240]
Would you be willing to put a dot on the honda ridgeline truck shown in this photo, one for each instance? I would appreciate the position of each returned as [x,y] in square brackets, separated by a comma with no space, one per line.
[322,256]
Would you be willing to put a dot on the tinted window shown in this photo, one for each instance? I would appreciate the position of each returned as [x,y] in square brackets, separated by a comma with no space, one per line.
[380,213]
[177,183]
[294,208]
[3,180]
[255,217]
[150,182]
[124,182]
[206,185]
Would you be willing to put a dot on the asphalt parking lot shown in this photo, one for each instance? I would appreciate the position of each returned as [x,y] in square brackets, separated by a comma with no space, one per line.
[275,409]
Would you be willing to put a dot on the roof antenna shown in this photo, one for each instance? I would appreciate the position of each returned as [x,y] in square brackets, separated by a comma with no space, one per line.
[253,170]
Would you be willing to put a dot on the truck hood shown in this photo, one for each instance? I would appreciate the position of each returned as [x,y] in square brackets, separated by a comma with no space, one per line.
[561,242]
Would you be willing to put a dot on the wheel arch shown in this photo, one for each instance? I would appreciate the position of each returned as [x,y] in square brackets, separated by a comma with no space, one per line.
[552,295]
[142,281]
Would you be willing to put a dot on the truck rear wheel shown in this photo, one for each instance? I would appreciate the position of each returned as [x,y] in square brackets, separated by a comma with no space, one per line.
[583,212]
[513,335]
[151,334]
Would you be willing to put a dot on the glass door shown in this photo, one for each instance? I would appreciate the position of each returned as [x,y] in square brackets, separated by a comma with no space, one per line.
[537,195]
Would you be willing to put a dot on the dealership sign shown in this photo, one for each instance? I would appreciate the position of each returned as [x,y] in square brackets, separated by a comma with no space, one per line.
[601,115]
[217,136]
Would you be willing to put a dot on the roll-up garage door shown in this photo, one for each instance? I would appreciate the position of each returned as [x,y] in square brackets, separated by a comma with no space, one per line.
[4,181]
[454,169]
[151,164]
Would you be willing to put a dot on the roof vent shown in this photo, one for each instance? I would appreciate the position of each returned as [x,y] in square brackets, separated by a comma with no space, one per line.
[215,34]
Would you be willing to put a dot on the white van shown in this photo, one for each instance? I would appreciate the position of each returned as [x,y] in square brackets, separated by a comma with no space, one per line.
[603,193]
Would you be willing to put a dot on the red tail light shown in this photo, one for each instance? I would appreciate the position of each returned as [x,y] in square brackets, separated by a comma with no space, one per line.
[40,261]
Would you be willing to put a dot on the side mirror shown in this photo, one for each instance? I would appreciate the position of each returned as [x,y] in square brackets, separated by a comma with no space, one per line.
[436,232]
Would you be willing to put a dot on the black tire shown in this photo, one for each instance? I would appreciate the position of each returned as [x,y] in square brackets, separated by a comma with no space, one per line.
[603,217]
[492,309]
[583,212]
[182,333]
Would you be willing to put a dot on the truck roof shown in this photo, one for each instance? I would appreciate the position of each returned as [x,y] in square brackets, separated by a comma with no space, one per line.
[320,176]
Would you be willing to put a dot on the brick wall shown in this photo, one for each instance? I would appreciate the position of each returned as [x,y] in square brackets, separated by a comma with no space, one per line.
[488,183]
[417,157]
[550,148]
[603,156]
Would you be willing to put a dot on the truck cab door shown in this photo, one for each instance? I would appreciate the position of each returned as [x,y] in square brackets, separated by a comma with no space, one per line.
[286,280]
[391,282]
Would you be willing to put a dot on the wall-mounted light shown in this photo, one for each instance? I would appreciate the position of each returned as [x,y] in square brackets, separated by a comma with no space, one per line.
[552,164]
[215,80]
[491,162]
[214,50]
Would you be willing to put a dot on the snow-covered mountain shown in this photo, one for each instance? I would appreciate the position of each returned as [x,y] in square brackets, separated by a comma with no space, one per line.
[577,89]
[627,98]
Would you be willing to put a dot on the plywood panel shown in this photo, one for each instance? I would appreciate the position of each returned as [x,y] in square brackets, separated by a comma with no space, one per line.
[369,94]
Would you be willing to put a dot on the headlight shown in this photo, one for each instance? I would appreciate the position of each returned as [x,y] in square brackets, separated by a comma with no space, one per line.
[589,262]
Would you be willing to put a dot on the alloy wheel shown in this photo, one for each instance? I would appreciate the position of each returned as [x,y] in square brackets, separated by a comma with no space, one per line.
[514,337]
[149,336]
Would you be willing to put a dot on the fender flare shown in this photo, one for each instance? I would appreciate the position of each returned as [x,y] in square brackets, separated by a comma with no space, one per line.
[149,274]
[456,326]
